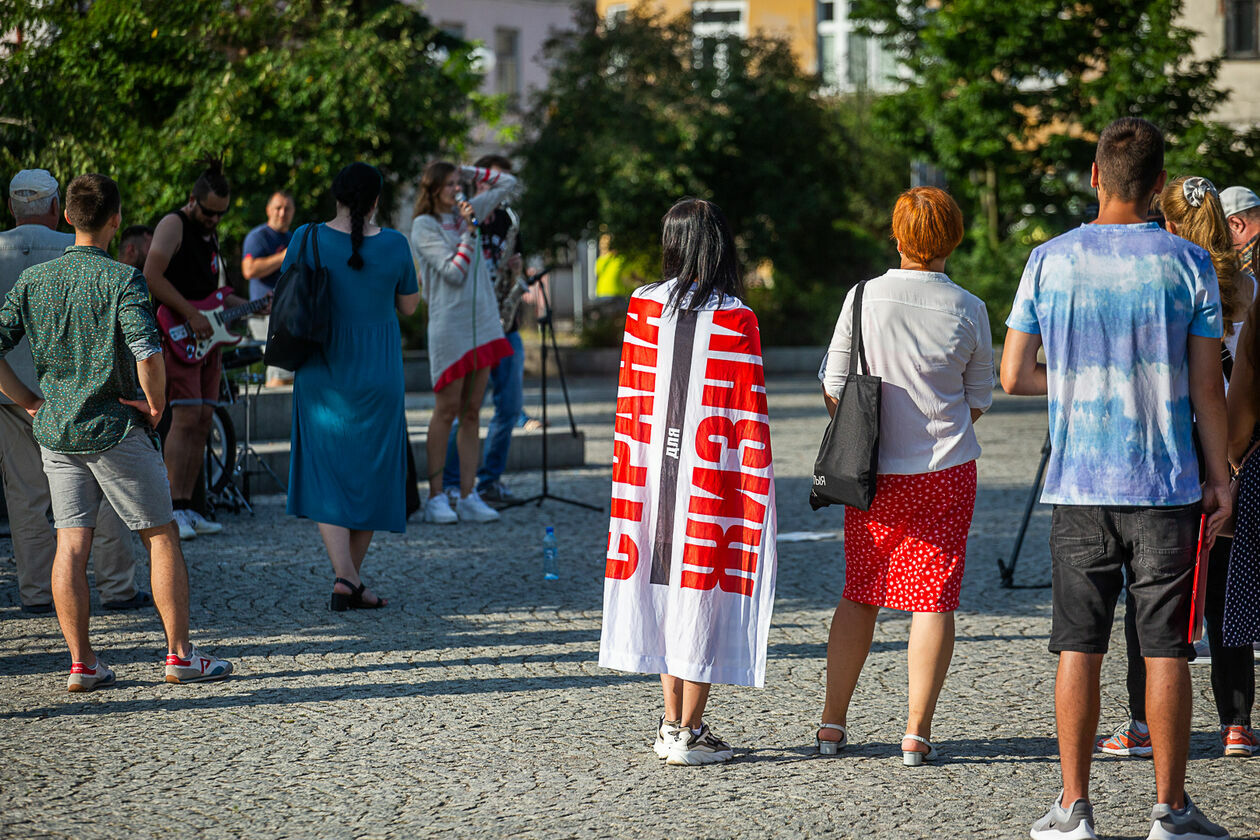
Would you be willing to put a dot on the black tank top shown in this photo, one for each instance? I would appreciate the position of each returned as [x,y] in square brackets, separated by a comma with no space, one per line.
[194,269]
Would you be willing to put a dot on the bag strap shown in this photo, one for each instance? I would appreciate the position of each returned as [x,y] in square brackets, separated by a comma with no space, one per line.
[315,240]
[856,338]
[1250,452]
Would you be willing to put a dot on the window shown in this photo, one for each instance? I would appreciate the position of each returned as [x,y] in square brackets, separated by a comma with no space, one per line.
[1242,28]
[507,65]
[615,14]
[828,68]
[859,70]
[452,28]
[714,23]
[826,11]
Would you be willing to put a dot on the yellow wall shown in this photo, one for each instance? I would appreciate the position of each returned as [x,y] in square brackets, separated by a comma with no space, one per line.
[790,19]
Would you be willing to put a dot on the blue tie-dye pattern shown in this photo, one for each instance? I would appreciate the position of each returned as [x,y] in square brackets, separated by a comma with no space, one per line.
[1115,306]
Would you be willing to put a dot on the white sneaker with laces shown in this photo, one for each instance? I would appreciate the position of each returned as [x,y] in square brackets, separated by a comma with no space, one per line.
[690,749]
[666,730]
[202,525]
[438,510]
[184,522]
[472,509]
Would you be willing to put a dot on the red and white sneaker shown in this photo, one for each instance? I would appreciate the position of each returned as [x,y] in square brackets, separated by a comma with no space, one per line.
[1128,739]
[83,678]
[198,667]
[1239,741]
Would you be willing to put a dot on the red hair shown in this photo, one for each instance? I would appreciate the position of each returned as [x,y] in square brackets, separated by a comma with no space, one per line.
[927,224]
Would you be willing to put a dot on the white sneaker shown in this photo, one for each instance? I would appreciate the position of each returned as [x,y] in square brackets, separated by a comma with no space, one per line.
[186,529]
[83,678]
[1202,653]
[198,667]
[666,730]
[452,495]
[202,525]
[472,509]
[438,510]
[690,749]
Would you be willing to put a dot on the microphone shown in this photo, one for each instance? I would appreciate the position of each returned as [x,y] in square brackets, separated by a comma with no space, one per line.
[460,198]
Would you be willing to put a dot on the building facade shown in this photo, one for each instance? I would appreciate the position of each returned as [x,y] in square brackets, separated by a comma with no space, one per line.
[1230,29]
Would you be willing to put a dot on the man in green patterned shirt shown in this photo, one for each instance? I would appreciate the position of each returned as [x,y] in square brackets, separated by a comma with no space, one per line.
[94,340]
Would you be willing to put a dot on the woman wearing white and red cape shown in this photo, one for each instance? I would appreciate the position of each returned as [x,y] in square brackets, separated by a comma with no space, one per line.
[464,333]
[689,581]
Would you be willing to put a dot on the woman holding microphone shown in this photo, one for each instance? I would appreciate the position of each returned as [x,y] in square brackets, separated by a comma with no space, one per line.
[465,336]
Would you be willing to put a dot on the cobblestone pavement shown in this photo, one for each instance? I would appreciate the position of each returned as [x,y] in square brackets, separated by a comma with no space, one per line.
[473,705]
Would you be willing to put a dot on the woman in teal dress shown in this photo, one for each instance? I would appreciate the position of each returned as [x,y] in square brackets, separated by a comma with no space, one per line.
[347,467]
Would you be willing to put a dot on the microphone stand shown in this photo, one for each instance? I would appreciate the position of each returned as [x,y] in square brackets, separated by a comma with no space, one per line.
[545,326]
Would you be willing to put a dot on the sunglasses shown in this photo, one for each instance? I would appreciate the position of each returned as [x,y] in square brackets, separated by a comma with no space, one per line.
[206,211]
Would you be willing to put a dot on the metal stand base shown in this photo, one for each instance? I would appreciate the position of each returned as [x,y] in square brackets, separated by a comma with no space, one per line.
[546,326]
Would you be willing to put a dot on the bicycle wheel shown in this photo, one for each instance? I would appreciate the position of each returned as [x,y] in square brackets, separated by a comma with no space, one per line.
[220,450]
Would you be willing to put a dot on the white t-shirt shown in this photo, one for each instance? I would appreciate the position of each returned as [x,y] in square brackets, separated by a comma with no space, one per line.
[930,342]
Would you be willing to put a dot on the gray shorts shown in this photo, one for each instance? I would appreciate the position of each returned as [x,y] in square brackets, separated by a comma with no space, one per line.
[131,475]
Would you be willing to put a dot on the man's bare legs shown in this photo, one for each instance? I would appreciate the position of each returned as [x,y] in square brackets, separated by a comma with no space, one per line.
[168,575]
[70,591]
[185,446]
[169,579]
[1168,706]
[1076,704]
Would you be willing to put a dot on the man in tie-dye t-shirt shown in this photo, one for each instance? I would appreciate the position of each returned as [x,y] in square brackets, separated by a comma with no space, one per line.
[1130,319]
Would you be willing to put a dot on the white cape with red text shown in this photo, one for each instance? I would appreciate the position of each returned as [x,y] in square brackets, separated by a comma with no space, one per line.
[689,580]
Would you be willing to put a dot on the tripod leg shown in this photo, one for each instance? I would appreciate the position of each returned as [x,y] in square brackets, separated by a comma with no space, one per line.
[1007,570]
[564,388]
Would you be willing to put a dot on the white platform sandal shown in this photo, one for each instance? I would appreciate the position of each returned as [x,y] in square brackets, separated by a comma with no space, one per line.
[831,747]
[913,758]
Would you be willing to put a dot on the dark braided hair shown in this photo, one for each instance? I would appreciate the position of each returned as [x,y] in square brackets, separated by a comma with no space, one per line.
[357,187]
[212,180]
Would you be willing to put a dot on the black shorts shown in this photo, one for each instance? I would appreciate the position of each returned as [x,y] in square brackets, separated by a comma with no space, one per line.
[1090,549]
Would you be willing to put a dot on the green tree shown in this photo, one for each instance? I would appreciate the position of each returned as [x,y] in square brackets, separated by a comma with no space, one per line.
[638,115]
[290,92]
[1008,99]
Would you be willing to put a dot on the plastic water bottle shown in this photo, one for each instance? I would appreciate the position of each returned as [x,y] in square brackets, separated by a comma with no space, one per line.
[551,555]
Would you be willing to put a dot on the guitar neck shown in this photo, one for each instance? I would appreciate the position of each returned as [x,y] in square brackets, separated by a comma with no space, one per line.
[230,315]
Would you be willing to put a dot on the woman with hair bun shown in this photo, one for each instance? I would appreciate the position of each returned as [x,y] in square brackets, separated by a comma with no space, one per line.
[465,335]
[347,468]
[930,342]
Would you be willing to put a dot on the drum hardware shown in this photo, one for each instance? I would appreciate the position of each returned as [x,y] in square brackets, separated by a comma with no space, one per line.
[237,460]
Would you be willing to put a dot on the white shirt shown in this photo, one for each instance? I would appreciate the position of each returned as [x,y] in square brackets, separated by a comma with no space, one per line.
[930,342]
[21,248]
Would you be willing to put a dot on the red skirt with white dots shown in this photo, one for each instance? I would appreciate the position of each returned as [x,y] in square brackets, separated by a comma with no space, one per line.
[907,551]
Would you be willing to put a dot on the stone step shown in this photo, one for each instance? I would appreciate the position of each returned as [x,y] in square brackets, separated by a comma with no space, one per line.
[526,453]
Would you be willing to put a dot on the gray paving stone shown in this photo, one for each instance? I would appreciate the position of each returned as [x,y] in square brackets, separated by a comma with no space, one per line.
[473,704]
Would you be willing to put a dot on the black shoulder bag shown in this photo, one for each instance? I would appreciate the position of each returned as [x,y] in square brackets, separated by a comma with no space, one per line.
[844,473]
[301,311]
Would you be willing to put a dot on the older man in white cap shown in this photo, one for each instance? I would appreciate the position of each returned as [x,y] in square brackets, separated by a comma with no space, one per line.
[34,202]
[1242,209]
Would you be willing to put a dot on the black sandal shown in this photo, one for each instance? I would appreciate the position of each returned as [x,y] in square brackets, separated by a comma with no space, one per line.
[342,601]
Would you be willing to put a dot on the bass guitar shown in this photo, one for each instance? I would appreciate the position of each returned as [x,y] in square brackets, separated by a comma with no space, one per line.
[188,348]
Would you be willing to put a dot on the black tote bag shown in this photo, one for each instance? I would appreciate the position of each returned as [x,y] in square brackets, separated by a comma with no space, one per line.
[844,473]
[300,310]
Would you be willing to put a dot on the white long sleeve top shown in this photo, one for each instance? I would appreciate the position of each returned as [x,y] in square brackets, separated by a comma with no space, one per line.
[930,342]
[463,325]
